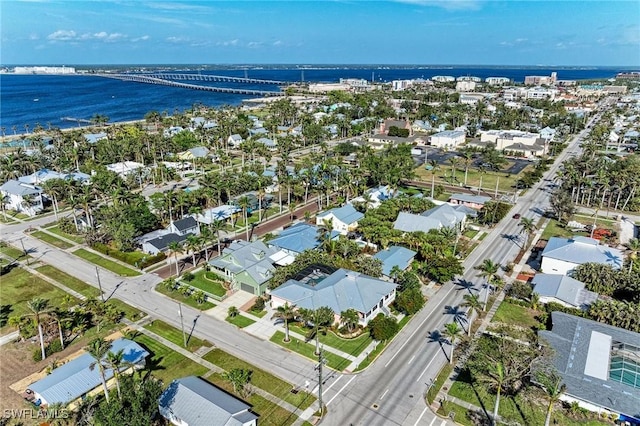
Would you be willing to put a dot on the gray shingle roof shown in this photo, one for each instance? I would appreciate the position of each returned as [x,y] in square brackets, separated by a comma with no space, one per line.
[199,403]
[571,338]
[340,291]
[470,198]
[75,378]
[18,188]
[581,250]
[162,242]
[563,288]
[443,216]
[186,223]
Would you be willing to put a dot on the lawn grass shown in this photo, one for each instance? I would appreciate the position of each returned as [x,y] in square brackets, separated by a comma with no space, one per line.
[510,313]
[505,181]
[271,414]
[166,364]
[258,314]
[308,350]
[175,336]
[69,281]
[12,252]
[130,313]
[179,297]
[203,283]
[521,408]
[553,229]
[438,382]
[470,233]
[20,286]
[456,412]
[50,239]
[262,379]
[353,346]
[240,321]
[112,266]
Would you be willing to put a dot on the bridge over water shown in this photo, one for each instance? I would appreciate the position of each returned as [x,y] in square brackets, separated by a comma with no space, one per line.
[168,79]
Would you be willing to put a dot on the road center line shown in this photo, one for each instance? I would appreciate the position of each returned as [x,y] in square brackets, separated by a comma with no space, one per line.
[385,392]
[419,328]
[341,389]
[420,418]
[412,358]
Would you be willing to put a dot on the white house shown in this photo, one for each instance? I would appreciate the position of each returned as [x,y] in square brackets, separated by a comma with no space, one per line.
[22,197]
[563,290]
[563,255]
[449,139]
[235,140]
[125,168]
[187,225]
[343,219]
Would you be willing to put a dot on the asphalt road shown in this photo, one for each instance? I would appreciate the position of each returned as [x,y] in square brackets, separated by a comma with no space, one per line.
[391,393]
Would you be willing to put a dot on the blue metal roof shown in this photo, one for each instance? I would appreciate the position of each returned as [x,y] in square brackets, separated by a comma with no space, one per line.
[581,250]
[346,214]
[395,256]
[299,238]
[76,377]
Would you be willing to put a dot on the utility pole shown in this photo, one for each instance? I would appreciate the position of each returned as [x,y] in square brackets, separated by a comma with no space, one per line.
[184,336]
[99,284]
[26,256]
[497,183]
[321,361]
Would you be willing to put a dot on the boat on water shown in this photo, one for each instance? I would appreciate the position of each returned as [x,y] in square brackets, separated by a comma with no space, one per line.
[36,99]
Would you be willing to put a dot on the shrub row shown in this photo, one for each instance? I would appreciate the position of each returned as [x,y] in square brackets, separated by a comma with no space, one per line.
[132,258]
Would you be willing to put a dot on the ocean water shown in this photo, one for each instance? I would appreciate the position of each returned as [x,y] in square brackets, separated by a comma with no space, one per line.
[45,99]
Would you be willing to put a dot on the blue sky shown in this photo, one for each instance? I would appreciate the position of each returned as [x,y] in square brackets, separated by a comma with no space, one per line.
[456,32]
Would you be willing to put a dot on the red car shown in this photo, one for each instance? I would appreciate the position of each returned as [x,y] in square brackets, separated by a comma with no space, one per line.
[516,216]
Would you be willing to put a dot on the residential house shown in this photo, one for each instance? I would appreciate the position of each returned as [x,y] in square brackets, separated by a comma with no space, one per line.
[95,137]
[421,126]
[160,244]
[78,378]
[298,238]
[563,290]
[599,364]
[442,216]
[21,197]
[195,153]
[563,255]
[192,401]
[400,124]
[469,200]
[219,213]
[449,139]
[184,226]
[341,290]
[375,196]
[235,140]
[394,256]
[43,175]
[125,168]
[249,266]
[343,219]
[270,144]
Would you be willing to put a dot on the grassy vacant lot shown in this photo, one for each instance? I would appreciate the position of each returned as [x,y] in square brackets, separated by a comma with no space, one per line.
[106,263]
[179,297]
[240,321]
[19,286]
[270,413]
[505,181]
[130,312]
[519,409]
[166,364]
[50,239]
[262,379]
[69,281]
[553,229]
[208,285]
[75,238]
[175,336]
[510,313]
[308,350]
[349,346]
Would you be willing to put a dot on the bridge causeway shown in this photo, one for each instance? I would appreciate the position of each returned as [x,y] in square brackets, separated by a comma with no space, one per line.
[168,79]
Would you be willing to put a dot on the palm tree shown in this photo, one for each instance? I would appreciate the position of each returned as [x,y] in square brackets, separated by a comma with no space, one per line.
[285,312]
[528,228]
[472,301]
[489,271]
[553,387]
[496,373]
[216,226]
[451,331]
[193,245]
[349,319]
[98,349]
[39,307]
[634,247]
[115,361]
[244,203]
[175,247]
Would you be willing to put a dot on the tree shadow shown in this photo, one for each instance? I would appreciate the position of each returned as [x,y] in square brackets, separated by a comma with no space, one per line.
[522,414]
[437,337]
[5,311]
[514,238]
[459,316]
[113,291]
[464,285]
[193,327]
[466,377]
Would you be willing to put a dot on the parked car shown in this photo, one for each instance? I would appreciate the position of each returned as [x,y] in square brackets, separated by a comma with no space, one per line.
[516,216]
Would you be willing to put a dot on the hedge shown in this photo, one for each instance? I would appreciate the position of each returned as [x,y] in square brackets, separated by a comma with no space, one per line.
[133,258]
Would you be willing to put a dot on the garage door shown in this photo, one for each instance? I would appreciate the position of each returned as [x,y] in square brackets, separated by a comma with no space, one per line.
[246,287]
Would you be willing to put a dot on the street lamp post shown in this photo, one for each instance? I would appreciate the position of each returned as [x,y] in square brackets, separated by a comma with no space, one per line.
[184,336]
[99,284]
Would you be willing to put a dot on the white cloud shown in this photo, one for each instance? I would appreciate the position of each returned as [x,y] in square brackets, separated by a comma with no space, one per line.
[277,43]
[178,40]
[446,4]
[62,35]
[254,44]
[101,36]
[233,42]
[143,38]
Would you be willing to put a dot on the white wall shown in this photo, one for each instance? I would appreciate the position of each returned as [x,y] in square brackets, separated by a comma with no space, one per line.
[555,266]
